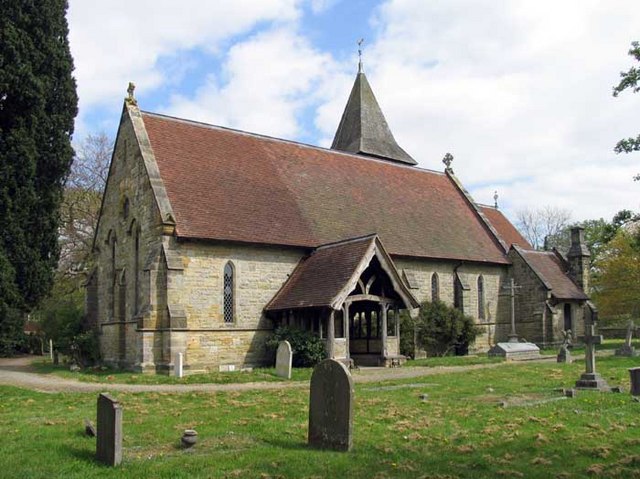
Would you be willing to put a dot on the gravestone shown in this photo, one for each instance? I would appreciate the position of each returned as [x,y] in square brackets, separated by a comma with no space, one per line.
[591,379]
[284,358]
[635,381]
[626,349]
[331,407]
[564,354]
[515,351]
[109,442]
[178,365]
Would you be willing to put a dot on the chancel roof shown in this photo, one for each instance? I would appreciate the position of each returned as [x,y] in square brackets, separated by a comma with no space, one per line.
[504,228]
[552,270]
[230,185]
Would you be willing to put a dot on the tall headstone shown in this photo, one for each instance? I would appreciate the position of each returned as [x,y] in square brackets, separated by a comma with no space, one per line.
[178,365]
[627,349]
[635,381]
[109,441]
[331,407]
[591,379]
[284,360]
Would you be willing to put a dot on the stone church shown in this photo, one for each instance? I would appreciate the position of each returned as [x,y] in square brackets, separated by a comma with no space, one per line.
[210,237]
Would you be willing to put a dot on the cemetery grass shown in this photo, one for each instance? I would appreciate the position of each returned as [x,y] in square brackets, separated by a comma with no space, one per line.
[110,376]
[460,430]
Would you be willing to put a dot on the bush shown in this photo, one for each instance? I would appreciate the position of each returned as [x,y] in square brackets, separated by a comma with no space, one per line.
[407,335]
[308,349]
[61,317]
[443,330]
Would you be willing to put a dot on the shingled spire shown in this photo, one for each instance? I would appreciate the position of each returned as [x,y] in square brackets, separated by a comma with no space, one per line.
[363,128]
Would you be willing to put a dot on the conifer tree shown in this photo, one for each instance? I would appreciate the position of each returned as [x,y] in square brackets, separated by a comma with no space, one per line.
[38,104]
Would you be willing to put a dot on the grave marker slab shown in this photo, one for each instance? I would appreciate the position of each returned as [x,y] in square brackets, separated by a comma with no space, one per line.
[109,441]
[284,358]
[515,351]
[331,407]
[635,381]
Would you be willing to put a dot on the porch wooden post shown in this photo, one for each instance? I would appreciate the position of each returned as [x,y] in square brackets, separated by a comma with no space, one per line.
[397,317]
[346,323]
[331,334]
[383,310]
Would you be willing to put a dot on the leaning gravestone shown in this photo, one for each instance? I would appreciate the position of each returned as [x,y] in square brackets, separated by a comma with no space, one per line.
[284,358]
[331,407]
[109,442]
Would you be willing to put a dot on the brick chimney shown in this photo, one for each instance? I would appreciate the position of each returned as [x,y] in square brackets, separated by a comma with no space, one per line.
[579,258]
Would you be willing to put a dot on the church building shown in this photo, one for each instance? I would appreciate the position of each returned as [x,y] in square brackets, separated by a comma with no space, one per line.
[210,237]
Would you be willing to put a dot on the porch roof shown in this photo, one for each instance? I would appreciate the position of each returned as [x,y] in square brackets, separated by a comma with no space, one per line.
[327,276]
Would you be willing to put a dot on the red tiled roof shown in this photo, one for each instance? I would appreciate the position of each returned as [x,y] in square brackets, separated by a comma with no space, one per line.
[507,232]
[551,270]
[319,278]
[230,185]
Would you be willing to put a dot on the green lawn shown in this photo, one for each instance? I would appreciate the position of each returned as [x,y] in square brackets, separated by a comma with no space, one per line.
[459,431]
[108,376]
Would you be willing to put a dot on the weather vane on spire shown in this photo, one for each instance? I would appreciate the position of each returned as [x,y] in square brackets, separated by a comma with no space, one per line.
[360,42]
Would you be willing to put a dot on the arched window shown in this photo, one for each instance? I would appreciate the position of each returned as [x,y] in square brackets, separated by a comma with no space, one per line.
[136,272]
[227,295]
[480,297]
[435,288]
[113,279]
[458,301]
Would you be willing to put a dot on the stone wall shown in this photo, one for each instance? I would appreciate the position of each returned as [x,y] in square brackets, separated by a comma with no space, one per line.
[493,278]
[129,211]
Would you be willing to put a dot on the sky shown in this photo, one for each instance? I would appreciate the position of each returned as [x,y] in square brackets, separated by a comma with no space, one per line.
[518,91]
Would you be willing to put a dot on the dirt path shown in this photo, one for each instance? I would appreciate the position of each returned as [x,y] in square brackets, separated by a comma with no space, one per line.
[18,372]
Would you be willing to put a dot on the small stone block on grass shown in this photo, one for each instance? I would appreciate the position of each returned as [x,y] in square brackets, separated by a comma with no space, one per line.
[109,442]
[284,359]
[331,407]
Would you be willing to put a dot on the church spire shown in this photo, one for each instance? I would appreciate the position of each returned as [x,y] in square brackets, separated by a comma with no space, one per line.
[363,128]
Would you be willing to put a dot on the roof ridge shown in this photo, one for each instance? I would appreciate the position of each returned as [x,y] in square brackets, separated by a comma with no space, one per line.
[346,241]
[290,142]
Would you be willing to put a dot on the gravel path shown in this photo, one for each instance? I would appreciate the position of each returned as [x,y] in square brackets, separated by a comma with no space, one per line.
[18,372]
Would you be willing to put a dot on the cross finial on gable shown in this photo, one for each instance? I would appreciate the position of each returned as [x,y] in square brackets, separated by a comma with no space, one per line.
[495,199]
[447,160]
[130,98]
[360,42]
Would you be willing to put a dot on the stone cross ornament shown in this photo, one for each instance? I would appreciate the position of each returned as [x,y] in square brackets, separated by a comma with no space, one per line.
[591,379]
[447,160]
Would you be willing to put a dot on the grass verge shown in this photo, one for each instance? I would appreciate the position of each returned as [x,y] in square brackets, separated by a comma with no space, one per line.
[460,431]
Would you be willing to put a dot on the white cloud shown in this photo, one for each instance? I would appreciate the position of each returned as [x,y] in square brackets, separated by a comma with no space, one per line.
[266,82]
[518,91]
[116,41]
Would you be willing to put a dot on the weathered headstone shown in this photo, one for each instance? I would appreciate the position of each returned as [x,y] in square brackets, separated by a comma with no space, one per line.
[564,353]
[627,349]
[178,365]
[591,379]
[331,407]
[109,441]
[635,381]
[51,349]
[284,358]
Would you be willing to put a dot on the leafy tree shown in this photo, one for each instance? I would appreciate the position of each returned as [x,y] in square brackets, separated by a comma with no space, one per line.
[538,224]
[38,104]
[629,80]
[442,329]
[617,288]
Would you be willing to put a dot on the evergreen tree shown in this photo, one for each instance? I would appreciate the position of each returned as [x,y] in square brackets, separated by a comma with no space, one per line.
[38,104]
